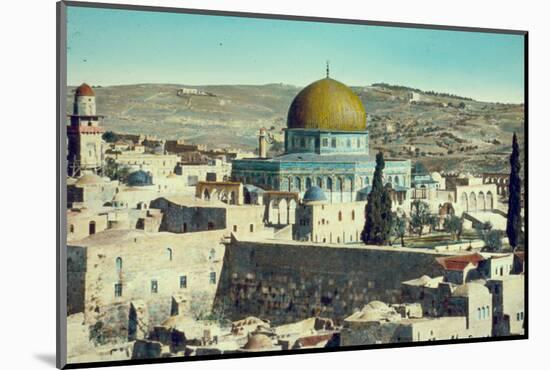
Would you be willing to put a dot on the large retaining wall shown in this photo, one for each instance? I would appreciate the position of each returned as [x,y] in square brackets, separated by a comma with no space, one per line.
[288,281]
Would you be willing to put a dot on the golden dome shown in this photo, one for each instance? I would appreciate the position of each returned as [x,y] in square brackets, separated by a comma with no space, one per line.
[327,105]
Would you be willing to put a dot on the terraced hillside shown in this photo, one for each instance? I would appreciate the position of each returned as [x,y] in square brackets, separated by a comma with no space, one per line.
[443,131]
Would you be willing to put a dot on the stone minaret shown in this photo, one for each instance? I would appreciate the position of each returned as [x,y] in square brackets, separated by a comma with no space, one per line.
[84,133]
[262,144]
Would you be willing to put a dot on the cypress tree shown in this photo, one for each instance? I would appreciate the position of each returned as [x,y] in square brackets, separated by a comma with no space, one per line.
[513,224]
[378,215]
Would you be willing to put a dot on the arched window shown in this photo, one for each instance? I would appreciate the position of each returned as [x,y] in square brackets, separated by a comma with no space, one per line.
[338,184]
[251,228]
[118,263]
[367,182]
[320,182]
[340,216]
[479,313]
[396,180]
[308,183]
[329,184]
[71,228]
[169,254]
[353,215]
[297,183]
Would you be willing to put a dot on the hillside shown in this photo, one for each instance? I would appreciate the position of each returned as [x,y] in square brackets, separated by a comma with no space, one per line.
[443,131]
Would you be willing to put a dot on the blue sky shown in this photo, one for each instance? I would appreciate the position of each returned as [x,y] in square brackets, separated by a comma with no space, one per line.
[114,47]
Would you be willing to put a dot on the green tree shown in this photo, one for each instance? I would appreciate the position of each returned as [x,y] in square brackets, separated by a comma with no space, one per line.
[114,171]
[453,225]
[109,136]
[420,216]
[491,238]
[378,214]
[399,228]
[513,223]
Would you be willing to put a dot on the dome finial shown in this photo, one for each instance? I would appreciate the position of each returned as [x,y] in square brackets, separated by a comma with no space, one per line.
[328,69]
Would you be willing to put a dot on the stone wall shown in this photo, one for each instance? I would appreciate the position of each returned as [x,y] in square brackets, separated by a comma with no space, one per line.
[289,281]
[93,272]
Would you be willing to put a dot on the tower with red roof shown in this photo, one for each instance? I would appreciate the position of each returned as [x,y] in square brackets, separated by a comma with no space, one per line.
[84,133]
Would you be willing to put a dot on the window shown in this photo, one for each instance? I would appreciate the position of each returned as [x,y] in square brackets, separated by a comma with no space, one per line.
[169,254]
[118,290]
[353,215]
[154,286]
[333,143]
[479,313]
[212,277]
[340,216]
[302,142]
[325,142]
[234,228]
[118,263]
[297,183]
[348,143]
[71,228]
[251,228]
[212,255]
[91,228]
[183,282]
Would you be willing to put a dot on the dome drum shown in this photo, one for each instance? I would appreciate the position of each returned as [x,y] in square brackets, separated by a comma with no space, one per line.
[326,117]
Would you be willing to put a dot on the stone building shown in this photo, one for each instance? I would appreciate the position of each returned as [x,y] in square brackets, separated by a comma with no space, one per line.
[111,284]
[159,165]
[82,222]
[319,221]
[484,288]
[91,191]
[188,215]
[501,180]
[379,323]
[326,145]
[211,170]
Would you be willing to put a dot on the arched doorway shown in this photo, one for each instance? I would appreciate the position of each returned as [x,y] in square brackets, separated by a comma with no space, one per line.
[132,324]
[464,202]
[489,201]
[292,211]
[283,212]
[472,202]
[481,201]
